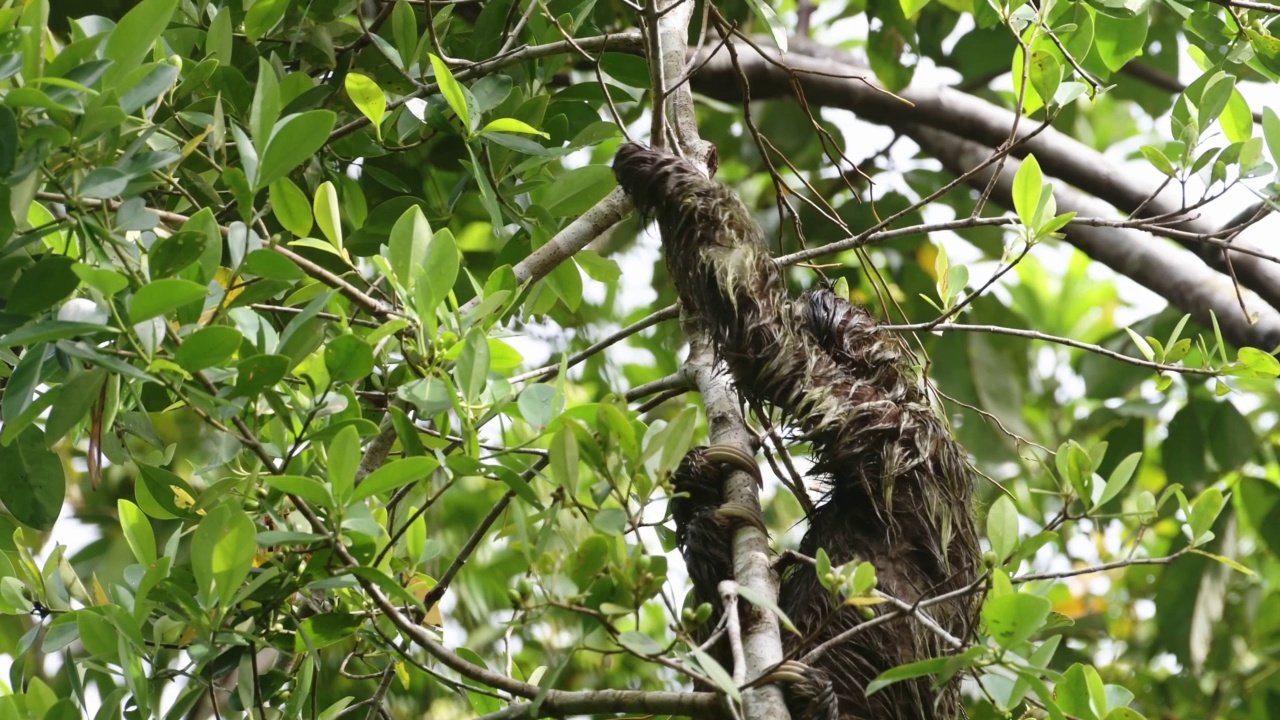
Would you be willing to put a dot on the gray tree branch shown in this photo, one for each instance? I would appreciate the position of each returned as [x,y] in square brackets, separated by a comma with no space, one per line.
[1173,273]
[834,78]
[761,634]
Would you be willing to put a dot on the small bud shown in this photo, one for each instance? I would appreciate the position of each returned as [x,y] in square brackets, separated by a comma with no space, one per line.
[703,614]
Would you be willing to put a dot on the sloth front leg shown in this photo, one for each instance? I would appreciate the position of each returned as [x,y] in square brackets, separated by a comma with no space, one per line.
[704,521]
[809,692]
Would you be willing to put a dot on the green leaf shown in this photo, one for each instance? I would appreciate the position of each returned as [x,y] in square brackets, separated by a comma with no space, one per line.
[1214,97]
[368,98]
[1119,40]
[1260,501]
[344,460]
[271,265]
[452,92]
[78,395]
[577,190]
[348,358]
[395,474]
[920,668]
[8,140]
[107,282]
[717,673]
[205,223]
[408,247]
[34,483]
[564,459]
[23,415]
[1236,118]
[1046,74]
[104,183]
[222,551]
[20,389]
[163,495]
[41,285]
[1013,618]
[1257,363]
[309,489]
[208,347]
[1120,477]
[262,17]
[864,578]
[217,44]
[472,370]
[1271,132]
[170,255]
[258,373]
[294,139]
[1002,527]
[1183,451]
[1232,442]
[511,125]
[1028,183]
[327,629]
[1226,561]
[763,601]
[133,37]
[640,643]
[290,207]
[161,297]
[1204,511]
[1079,691]
[327,214]
[137,531]
[440,271]
[265,110]
[519,485]
[50,330]
[778,31]
[1158,159]
[389,586]
[404,28]
[536,406]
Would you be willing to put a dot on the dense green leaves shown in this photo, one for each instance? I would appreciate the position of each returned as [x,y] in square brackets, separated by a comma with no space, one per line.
[161,297]
[298,319]
[133,36]
[222,551]
[34,484]
[293,139]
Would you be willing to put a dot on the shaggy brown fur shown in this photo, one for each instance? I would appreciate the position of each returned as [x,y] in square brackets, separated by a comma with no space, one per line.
[897,489]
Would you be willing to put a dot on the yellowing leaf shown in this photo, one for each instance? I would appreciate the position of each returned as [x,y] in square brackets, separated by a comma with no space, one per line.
[419,587]
[326,211]
[99,594]
[451,91]
[368,98]
[511,125]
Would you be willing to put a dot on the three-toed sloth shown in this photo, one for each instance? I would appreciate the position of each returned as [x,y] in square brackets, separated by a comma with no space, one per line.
[896,487]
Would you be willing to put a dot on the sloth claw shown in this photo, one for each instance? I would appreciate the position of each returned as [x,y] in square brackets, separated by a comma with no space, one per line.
[742,513]
[789,671]
[732,455]
[810,694]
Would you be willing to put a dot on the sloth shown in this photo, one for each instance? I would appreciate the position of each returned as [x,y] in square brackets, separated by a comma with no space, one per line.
[895,489]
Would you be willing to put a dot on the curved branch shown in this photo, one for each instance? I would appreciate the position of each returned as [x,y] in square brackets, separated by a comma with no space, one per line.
[575,236]
[1174,274]
[761,634]
[833,78]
